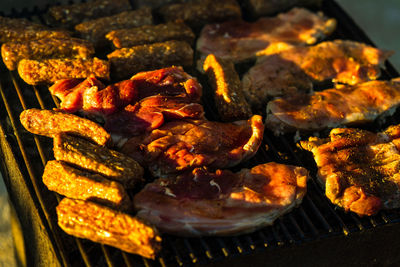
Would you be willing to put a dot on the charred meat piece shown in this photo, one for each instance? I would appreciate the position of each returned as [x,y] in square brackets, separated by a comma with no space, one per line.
[70,15]
[196,13]
[35,72]
[270,7]
[156,3]
[96,30]
[100,224]
[93,98]
[184,145]
[150,113]
[13,52]
[77,184]
[126,62]
[50,123]
[149,34]
[98,159]
[239,40]
[331,108]
[227,89]
[222,203]
[359,169]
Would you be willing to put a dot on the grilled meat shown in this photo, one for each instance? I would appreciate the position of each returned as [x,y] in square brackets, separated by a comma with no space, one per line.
[98,159]
[184,145]
[271,7]
[96,30]
[92,221]
[150,113]
[222,203]
[50,70]
[126,62]
[239,40]
[13,52]
[227,89]
[359,169]
[197,13]
[93,98]
[330,108]
[70,15]
[50,123]
[77,184]
[149,34]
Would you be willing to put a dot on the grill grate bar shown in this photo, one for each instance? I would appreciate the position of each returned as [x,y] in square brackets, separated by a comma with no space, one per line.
[107,256]
[207,249]
[128,262]
[190,249]
[296,226]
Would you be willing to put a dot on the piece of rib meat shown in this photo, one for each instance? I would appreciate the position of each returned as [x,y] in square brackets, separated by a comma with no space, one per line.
[238,40]
[359,169]
[333,107]
[186,144]
[222,203]
[285,69]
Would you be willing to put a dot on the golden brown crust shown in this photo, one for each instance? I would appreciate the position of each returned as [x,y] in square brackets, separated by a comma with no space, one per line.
[227,89]
[13,52]
[50,123]
[126,62]
[101,224]
[77,184]
[98,159]
[96,30]
[50,70]
[149,34]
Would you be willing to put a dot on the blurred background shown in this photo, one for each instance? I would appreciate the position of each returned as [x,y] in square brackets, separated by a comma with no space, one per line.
[379,19]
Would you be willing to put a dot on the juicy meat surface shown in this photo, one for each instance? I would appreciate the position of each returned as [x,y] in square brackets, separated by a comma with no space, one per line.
[95,222]
[183,145]
[239,40]
[77,184]
[94,98]
[333,107]
[359,169]
[222,203]
[150,113]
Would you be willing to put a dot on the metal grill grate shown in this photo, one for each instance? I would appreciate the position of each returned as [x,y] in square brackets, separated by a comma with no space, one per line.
[316,219]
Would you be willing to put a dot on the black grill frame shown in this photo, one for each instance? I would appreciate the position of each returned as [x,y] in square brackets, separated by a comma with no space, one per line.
[316,225]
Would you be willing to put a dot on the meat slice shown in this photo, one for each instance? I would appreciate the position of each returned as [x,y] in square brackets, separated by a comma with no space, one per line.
[92,221]
[331,108]
[270,7]
[286,69]
[94,98]
[110,163]
[359,169]
[50,123]
[184,145]
[222,203]
[75,183]
[239,40]
[150,113]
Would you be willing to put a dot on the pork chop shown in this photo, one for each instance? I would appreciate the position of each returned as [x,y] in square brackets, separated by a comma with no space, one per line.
[222,203]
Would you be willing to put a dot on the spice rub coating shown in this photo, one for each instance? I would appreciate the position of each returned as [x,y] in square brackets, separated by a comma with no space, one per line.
[126,62]
[227,88]
[148,34]
[96,30]
[35,72]
[78,184]
[92,221]
[98,159]
[13,52]
[70,15]
[50,123]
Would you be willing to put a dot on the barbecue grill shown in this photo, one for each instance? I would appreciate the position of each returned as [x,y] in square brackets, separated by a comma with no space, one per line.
[315,233]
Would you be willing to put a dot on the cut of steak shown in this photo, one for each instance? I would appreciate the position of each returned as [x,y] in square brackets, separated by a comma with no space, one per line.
[333,107]
[77,184]
[183,145]
[92,221]
[50,123]
[239,40]
[359,169]
[222,203]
